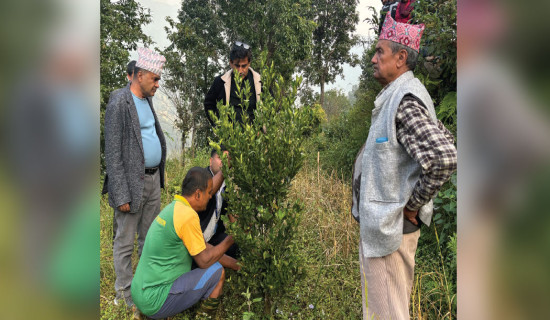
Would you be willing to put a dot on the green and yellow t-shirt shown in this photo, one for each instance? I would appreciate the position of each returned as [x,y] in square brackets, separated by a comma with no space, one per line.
[172,239]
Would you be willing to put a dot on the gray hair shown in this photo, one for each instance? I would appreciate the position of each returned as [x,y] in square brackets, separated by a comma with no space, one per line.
[412,55]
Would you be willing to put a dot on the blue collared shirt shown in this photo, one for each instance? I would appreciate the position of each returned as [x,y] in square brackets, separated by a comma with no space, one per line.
[152,150]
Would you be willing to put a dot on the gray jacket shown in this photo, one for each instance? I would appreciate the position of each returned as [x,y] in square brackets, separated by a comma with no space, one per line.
[389,174]
[124,150]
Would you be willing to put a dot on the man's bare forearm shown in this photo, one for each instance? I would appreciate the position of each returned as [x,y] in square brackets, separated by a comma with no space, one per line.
[212,254]
[229,262]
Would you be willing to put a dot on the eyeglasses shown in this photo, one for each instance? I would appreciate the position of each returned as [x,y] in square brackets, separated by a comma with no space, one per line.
[242,44]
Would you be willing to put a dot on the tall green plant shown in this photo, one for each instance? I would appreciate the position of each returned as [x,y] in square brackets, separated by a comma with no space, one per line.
[445,210]
[265,156]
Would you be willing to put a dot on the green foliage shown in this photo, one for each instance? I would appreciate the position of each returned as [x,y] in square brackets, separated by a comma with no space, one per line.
[265,156]
[447,111]
[436,255]
[438,48]
[282,28]
[340,141]
[332,41]
[336,102]
[434,292]
[319,116]
[445,210]
[121,31]
[343,136]
[249,301]
[192,62]
[430,84]
[373,20]
[450,261]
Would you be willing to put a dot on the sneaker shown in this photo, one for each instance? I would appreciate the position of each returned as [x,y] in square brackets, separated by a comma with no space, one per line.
[208,309]
[121,299]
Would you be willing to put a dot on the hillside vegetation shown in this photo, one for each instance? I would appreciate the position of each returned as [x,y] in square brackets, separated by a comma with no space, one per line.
[328,241]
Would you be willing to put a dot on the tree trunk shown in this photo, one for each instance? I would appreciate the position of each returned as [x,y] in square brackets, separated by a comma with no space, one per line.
[205,78]
[193,125]
[183,140]
[322,98]
[267,304]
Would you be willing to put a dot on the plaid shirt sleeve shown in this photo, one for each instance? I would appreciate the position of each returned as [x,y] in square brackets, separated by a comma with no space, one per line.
[430,144]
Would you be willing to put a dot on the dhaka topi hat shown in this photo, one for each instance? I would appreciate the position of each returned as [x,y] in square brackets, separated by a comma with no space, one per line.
[150,60]
[403,33]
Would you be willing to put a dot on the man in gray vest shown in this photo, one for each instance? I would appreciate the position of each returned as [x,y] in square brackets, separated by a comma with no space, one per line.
[135,155]
[407,157]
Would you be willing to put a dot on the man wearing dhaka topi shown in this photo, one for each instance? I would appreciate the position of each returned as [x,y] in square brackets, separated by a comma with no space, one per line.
[135,156]
[407,157]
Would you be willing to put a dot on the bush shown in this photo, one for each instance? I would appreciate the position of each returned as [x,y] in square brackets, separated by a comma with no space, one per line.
[265,156]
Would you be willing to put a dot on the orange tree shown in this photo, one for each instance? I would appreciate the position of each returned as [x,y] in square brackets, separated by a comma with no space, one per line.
[265,155]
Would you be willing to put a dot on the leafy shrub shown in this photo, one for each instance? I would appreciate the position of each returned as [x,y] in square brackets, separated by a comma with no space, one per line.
[447,111]
[445,211]
[265,154]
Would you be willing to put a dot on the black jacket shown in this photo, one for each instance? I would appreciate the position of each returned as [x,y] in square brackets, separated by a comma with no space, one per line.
[221,89]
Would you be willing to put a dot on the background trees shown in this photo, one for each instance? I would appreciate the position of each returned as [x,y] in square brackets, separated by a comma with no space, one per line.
[281,28]
[332,41]
[193,59]
[296,35]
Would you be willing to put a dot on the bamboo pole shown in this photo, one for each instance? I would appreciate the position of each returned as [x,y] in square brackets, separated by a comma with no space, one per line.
[318,181]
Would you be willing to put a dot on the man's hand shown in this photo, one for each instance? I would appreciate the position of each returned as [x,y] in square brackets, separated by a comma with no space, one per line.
[212,254]
[411,215]
[124,208]
[229,262]
[229,239]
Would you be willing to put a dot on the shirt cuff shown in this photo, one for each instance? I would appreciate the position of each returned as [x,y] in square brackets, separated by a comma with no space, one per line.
[413,204]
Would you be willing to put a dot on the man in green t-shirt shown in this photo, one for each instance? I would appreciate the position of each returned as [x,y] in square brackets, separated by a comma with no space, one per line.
[164,284]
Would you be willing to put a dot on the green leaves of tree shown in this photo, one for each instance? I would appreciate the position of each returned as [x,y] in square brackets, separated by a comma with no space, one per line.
[121,31]
[192,62]
[265,156]
[332,41]
[439,43]
[447,111]
[282,28]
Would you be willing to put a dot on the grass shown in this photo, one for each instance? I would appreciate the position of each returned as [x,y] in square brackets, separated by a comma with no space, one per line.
[434,291]
[328,237]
